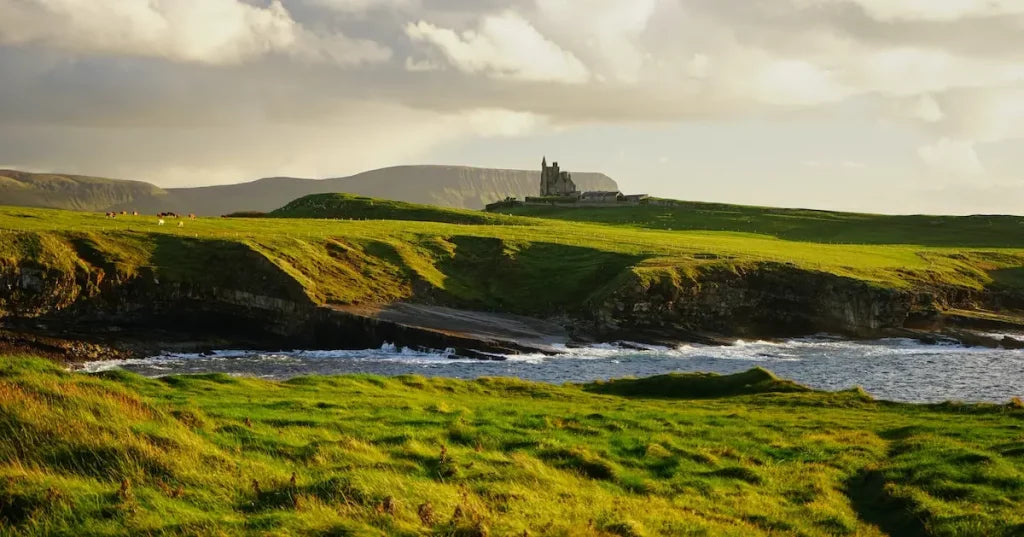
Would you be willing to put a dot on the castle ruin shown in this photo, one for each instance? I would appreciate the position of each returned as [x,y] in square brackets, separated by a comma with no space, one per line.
[558,189]
[554,182]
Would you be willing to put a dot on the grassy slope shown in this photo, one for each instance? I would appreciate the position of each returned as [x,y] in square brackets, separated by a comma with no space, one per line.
[215,455]
[354,207]
[499,265]
[803,224]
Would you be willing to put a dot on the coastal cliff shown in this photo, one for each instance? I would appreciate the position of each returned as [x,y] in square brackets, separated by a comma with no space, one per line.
[262,305]
[318,283]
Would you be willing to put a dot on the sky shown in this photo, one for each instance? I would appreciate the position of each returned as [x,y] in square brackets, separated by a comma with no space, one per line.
[898,106]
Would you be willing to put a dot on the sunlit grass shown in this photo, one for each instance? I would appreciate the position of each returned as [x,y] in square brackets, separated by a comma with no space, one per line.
[980,231]
[116,454]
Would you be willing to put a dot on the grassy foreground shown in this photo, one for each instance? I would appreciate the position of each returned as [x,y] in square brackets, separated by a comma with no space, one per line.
[116,454]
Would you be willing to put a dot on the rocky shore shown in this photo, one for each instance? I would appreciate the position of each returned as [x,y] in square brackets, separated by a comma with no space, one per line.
[73,318]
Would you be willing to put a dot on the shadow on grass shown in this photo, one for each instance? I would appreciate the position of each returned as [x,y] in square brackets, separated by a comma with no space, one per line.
[286,496]
[874,505]
[530,278]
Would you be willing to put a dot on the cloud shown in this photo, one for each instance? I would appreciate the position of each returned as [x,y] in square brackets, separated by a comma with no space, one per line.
[902,71]
[699,66]
[362,6]
[218,32]
[844,164]
[420,66]
[352,137]
[932,10]
[926,108]
[985,115]
[496,122]
[504,46]
[608,34]
[952,158]
[792,82]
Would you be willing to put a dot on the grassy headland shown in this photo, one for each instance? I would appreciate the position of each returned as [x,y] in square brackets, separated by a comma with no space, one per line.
[335,259]
[116,453]
[613,279]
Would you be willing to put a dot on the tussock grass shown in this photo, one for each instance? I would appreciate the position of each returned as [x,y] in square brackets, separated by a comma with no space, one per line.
[118,454]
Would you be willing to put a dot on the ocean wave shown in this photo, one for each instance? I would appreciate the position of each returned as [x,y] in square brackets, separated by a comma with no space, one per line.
[790,350]
[897,369]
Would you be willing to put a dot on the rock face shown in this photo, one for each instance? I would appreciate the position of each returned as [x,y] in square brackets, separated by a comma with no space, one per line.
[767,300]
[52,312]
[263,306]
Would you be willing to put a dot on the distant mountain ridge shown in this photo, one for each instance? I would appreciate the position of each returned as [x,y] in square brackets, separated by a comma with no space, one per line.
[461,187]
[75,192]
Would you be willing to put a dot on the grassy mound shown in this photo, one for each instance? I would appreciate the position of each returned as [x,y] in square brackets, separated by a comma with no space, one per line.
[698,385]
[119,454]
[801,224]
[353,207]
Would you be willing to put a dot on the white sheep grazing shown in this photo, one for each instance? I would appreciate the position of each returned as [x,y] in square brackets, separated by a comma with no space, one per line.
[160,222]
[181,224]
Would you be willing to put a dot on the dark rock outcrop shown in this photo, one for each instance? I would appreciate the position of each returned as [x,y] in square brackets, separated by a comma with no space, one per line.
[261,307]
[84,315]
[765,300]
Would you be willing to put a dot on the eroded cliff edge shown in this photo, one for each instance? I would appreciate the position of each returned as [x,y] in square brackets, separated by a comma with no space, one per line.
[85,294]
[769,300]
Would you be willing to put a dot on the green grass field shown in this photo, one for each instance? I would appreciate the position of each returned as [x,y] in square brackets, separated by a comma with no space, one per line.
[497,263]
[749,455]
[981,231]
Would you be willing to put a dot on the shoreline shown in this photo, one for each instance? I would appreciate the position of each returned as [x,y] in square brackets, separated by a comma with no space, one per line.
[892,369]
[467,334]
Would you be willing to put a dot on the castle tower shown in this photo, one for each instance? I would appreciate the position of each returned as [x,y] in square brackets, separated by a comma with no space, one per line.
[553,181]
[544,183]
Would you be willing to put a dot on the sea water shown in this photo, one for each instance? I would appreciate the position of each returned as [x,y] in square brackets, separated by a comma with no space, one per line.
[891,369]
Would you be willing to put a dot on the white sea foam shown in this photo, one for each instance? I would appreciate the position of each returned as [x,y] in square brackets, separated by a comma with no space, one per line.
[792,350]
[899,369]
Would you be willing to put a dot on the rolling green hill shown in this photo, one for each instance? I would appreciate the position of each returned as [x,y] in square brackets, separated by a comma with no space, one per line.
[799,224]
